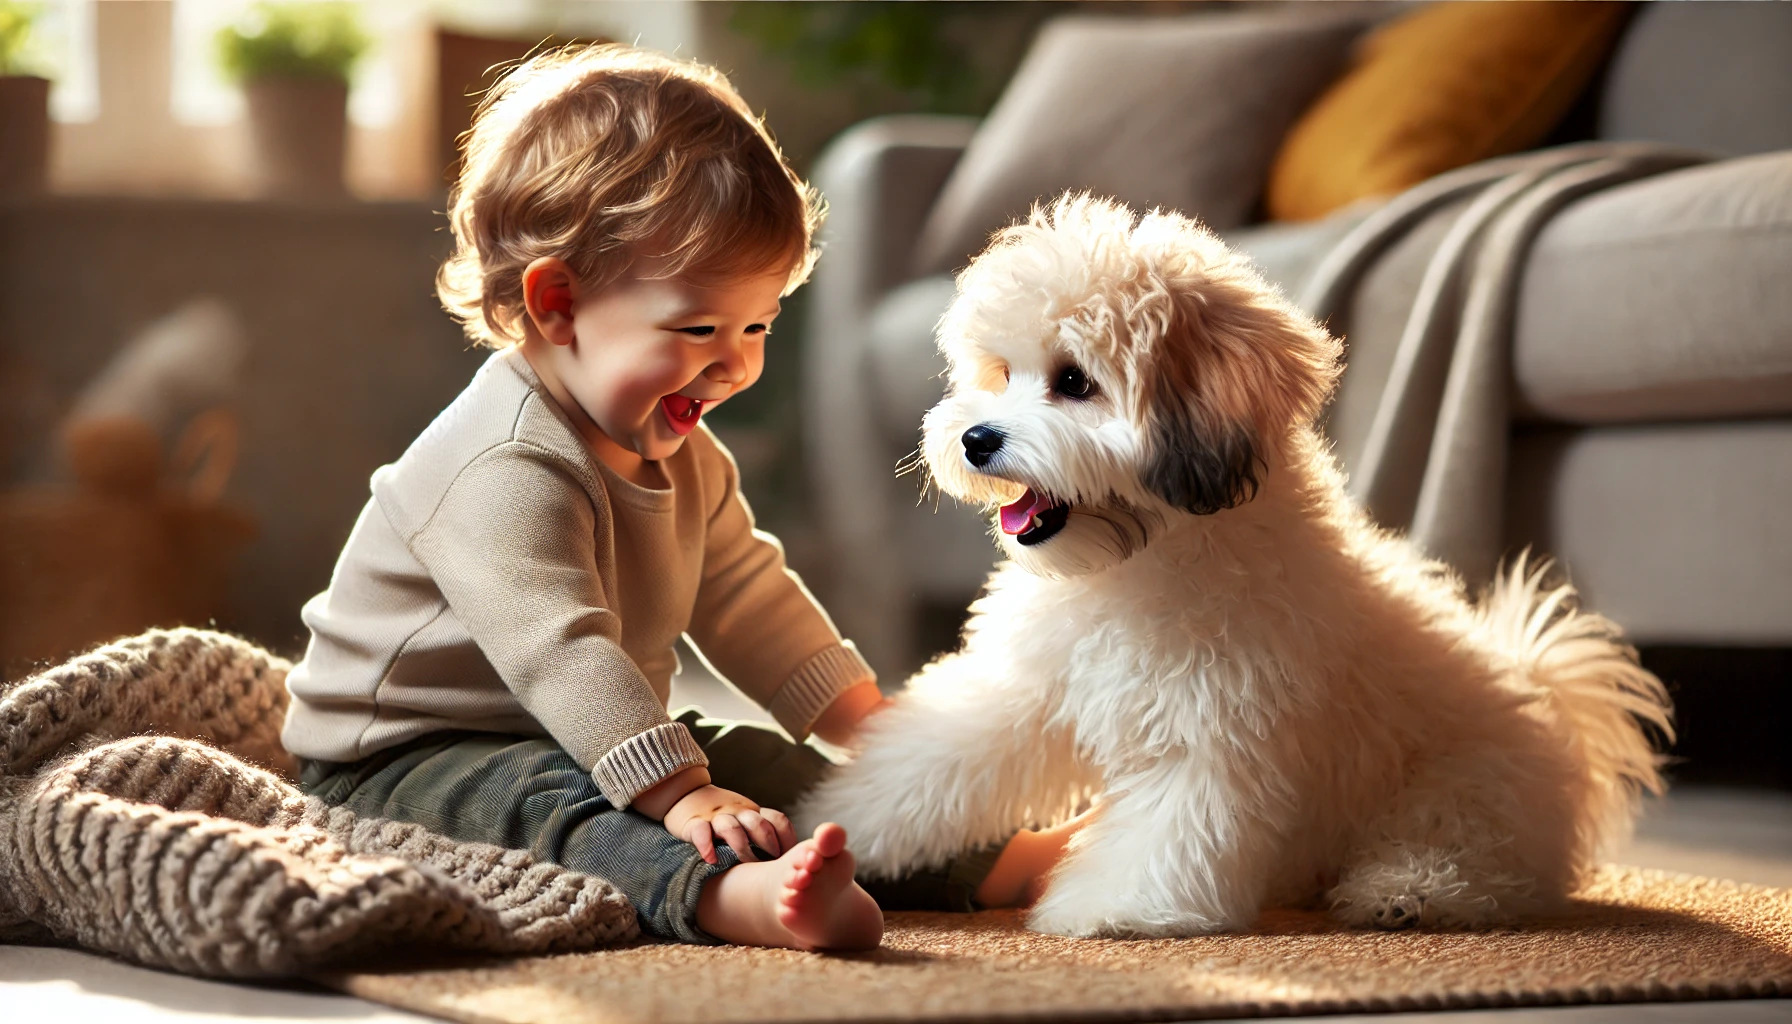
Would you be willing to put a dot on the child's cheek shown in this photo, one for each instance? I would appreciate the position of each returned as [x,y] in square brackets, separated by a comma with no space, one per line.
[664,369]
[755,367]
[642,376]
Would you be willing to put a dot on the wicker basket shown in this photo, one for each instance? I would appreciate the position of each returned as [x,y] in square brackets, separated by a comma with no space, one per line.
[122,550]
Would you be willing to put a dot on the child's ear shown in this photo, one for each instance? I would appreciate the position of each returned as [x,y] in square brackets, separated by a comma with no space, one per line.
[548,294]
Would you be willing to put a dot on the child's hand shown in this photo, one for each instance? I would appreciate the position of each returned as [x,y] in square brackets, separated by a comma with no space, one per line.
[710,812]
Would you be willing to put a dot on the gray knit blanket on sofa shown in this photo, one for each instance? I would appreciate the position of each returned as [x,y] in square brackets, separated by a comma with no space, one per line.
[1433,463]
[145,812]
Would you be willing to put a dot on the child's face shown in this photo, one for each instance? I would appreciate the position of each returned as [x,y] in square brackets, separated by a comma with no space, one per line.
[650,357]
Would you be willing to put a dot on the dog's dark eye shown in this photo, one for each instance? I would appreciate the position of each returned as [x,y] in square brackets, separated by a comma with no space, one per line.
[1072,382]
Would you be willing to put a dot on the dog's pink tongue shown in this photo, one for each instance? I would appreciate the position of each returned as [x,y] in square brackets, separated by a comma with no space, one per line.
[1018,516]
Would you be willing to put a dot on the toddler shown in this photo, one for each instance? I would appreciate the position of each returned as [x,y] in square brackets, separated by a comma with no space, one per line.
[493,656]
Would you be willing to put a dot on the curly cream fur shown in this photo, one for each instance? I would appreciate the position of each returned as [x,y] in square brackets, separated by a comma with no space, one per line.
[1268,699]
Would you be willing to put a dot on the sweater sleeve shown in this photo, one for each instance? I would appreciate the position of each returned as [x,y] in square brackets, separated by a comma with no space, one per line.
[756,622]
[513,548]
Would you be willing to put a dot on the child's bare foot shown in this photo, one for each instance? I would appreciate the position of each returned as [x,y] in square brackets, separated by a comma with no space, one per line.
[805,899]
[820,904]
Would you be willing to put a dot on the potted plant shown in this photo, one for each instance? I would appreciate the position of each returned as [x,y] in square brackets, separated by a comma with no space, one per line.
[293,61]
[24,106]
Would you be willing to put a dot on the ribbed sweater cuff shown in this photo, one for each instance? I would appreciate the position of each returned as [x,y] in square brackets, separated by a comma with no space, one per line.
[815,684]
[644,760]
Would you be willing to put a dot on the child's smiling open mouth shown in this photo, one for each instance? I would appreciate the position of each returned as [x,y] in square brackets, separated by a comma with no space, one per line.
[684,408]
[682,412]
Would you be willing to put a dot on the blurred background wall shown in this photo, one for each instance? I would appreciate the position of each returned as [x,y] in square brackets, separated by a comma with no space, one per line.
[153,199]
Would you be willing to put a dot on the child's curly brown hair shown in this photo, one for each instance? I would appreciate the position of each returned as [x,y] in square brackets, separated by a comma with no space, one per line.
[621,162]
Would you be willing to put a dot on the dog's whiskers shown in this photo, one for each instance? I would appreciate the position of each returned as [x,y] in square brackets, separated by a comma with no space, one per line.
[915,462]
[910,463]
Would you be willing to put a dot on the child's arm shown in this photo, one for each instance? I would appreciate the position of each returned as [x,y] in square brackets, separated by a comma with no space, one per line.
[756,622]
[511,544]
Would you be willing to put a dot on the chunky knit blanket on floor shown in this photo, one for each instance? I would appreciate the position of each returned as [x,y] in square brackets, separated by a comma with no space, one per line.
[134,820]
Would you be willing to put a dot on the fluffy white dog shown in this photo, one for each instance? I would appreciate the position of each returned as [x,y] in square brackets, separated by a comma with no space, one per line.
[1267,699]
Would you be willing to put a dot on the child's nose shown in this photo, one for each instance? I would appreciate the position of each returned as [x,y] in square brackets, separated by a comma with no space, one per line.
[730,366]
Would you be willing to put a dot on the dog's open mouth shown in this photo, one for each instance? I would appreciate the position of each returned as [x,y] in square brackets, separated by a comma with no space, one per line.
[1034,518]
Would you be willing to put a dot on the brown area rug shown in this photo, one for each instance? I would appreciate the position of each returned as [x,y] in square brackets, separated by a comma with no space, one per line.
[1634,935]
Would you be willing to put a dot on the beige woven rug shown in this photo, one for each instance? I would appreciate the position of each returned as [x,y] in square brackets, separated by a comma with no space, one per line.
[1634,935]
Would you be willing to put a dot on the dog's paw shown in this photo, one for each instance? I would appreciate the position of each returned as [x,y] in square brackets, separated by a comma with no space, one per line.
[1059,916]
[1104,921]
[1397,912]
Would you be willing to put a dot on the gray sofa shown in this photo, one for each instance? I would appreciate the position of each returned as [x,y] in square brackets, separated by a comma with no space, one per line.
[1648,432]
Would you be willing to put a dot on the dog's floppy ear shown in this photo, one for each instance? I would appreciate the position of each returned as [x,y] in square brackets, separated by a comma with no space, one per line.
[1232,370]
[1198,468]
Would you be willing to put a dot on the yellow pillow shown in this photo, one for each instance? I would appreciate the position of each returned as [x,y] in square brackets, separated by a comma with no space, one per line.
[1442,87]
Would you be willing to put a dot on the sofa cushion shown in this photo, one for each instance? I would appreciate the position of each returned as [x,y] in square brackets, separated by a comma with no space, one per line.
[1677,532]
[1665,298]
[1704,76]
[1183,113]
[1440,88]
[1287,253]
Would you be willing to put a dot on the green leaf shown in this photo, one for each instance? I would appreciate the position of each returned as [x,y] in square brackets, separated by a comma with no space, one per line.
[904,47]
[294,40]
[16,20]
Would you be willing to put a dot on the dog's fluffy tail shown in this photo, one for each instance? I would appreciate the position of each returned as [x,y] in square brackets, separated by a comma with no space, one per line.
[1588,680]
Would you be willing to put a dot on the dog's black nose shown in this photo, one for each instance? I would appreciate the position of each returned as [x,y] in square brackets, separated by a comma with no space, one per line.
[981,443]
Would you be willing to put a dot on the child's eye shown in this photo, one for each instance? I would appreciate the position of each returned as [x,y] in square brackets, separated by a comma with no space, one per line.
[700,332]
[758,329]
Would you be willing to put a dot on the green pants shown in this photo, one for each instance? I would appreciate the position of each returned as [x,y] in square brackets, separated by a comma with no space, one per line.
[527,793]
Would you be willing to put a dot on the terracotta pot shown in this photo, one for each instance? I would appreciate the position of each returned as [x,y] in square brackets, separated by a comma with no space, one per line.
[299,126]
[24,134]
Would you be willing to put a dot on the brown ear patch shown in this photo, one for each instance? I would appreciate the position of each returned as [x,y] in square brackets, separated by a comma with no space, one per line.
[1200,469]
[1231,370]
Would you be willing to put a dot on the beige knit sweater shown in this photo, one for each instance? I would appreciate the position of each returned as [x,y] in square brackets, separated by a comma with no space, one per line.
[501,578]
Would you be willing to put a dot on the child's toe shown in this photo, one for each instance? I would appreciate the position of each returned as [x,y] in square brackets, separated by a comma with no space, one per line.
[830,839]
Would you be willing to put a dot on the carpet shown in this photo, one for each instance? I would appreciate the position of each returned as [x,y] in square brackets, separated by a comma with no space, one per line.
[1632,935]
